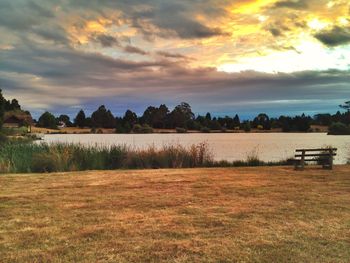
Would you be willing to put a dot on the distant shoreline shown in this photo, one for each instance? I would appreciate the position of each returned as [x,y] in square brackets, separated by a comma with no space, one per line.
[75,130]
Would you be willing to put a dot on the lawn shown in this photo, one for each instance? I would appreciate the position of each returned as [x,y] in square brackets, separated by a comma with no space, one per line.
[259,214]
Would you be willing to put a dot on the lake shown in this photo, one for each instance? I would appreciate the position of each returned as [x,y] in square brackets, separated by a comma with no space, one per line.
[224,146]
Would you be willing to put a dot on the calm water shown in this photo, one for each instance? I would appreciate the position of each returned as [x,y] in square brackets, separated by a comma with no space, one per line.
[230,146]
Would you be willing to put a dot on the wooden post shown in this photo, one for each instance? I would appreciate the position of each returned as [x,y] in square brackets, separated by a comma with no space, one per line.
[302,161]
[331,159]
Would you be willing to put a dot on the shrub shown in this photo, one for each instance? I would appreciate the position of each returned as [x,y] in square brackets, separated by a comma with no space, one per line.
[246,127]
[137,128]
[205,130]
[147,129]
[253,158]
[142,129]
[181,130]
[339,128]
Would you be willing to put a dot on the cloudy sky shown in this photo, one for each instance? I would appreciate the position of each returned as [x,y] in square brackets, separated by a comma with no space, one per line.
[244,56]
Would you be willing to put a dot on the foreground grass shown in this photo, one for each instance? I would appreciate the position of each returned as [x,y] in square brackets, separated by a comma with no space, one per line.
[265,214]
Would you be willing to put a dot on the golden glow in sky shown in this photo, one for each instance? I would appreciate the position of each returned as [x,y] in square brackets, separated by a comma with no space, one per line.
[263,35]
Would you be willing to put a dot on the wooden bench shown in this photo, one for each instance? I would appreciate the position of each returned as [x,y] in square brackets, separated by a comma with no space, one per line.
[323,157]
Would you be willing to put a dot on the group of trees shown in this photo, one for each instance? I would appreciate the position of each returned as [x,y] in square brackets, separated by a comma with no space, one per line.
[339,124]
[7,105]
[182,117]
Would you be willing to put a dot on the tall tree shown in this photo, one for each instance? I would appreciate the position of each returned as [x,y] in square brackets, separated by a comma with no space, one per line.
[47,120]
[80,119]
[155,117]
[236,121]
[15,105]
[208,116]
[149,116]
[130,118]
[103,118]
[262,120]
[181,115]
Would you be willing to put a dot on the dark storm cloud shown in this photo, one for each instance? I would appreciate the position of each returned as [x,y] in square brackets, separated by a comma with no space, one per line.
[157,17]
[171,55]
[334,37]
[53,33]
[22,14]
[106,40]
[152,17]
[135,50]
[173,19]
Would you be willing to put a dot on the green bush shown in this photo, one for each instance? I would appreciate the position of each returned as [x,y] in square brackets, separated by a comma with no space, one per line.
[339,128]
[181,130]
[142,129]
[205,130]
[246,127]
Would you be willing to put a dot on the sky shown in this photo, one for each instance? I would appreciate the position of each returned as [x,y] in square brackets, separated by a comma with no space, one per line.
[226,57]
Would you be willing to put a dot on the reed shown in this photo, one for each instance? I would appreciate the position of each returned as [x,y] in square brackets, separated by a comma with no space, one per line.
[20,157]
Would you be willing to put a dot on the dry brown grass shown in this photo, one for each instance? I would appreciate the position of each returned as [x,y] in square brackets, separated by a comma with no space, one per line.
[198,215]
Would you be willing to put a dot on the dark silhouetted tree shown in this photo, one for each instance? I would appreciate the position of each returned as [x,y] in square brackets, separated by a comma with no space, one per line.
[345,106]
[130,118]
[181,115]
[47,120]
[155,117]
[208,116]
[236,121]
[103,118]
[262,120]
[80,119]
[15,105]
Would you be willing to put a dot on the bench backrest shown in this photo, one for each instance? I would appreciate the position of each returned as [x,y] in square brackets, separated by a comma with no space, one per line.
[316,150]
[326,152]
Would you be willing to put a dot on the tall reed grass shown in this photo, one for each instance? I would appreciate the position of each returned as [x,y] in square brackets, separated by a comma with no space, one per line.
[30,157]
[23,157]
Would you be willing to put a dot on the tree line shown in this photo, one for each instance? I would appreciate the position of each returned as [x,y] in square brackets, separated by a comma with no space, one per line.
[182,119]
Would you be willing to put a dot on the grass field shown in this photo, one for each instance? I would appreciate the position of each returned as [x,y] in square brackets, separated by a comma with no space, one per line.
[259,214]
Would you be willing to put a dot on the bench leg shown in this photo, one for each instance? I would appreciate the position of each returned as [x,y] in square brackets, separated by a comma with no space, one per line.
[298,166]
[331,160]
[329,165]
